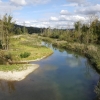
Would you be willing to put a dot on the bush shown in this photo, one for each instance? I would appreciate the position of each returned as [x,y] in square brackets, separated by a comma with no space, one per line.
[25,55]
[97,90]
[8,56]
[0,45]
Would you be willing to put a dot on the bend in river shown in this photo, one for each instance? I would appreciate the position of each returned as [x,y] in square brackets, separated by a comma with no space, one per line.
[61,76]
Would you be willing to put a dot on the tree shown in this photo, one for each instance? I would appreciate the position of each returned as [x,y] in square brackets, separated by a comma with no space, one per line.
[7,30]
[78,33]
[18,30]
[1,34]
[84,28]
[77,26]
[24,29]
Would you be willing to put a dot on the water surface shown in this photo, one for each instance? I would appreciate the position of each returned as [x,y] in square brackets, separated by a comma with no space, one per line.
[61,76]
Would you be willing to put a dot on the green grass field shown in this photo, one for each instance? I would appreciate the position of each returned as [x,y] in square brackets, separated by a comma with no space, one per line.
[23,48]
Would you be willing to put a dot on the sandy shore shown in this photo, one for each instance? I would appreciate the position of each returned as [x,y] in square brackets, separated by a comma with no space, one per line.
[18,75]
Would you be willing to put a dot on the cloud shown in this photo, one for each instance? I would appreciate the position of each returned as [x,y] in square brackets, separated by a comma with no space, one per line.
[66,21]
[76,11]
[34,21]
[76,1]
[90,10]
[54,19]
[39,25]
[6,7]
[18,2]
[27,22]
[71,4]
[36,2]
[72,18]
[62,21]
[73,62]
[28,2]
[64,18]
[65,12]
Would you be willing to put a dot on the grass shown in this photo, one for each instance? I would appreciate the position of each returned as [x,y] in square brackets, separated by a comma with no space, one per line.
[13,67]
[30,44]
[21,44]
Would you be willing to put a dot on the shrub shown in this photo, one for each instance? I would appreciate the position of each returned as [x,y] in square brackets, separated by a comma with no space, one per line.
[97,90]
[0,45]
[25,55]
[8,56]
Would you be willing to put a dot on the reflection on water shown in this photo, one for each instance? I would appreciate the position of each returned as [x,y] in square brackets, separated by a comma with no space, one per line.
[62,76]
[7,86]
[11,87]
[73,61]
[97,90]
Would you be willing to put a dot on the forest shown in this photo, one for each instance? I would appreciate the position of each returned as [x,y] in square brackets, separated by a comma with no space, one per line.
[82,33]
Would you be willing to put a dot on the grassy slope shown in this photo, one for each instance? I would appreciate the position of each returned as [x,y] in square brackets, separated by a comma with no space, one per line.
[31,44]
[21,44]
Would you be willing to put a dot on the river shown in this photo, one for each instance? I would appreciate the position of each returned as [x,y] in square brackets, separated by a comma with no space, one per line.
[62,76]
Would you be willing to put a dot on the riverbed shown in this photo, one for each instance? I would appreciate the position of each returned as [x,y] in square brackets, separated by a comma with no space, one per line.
[62,76]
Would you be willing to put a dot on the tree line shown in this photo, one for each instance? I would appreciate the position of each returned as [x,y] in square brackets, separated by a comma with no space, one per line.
[18,29]
[83,32]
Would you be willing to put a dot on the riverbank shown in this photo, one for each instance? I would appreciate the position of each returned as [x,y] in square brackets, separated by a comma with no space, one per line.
[14,63]
[18,72]
[24,48]
[91,51]
[18,75]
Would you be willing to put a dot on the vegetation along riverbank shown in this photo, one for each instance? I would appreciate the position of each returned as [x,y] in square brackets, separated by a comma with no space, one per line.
[92,52]
[84,39]
[17,50]
[22,49]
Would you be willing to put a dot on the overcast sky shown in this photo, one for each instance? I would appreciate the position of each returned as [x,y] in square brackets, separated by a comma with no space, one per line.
[53,13]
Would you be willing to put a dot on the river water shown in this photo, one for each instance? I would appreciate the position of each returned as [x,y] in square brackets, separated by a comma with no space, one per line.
[62,76]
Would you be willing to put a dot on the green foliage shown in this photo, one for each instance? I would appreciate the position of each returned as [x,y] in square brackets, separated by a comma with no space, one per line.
[13,67]
[78,25]
[8,56]
[17,30]
[97,90]
[86,33]
[84,28]
[25,55]
[6,30]
[0,45]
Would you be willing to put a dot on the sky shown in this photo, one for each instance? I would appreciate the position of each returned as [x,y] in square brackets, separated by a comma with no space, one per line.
[50,13]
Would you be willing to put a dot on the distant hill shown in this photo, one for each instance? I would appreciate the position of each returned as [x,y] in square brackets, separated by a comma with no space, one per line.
[30,30]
